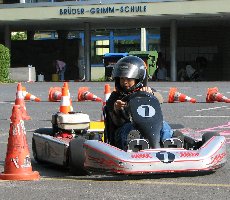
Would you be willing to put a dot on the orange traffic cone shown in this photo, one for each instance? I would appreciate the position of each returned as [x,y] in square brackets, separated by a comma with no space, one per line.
[107,94]
[174,95]
[20,101]
[67,86]
[55,94]
[29,97]
[213,95]
[24,91]
[17,161]
[85,95]
[65,101]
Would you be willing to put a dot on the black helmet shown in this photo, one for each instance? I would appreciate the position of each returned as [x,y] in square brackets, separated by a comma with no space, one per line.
[130,67]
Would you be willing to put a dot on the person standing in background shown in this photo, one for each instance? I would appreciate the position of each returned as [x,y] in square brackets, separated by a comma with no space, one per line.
[61,68]
[201,65]
[161,71]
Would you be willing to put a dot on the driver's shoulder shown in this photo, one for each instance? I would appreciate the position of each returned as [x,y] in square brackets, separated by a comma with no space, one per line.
[159,97]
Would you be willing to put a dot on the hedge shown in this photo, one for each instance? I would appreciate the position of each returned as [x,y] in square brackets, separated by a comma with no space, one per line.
[4,63]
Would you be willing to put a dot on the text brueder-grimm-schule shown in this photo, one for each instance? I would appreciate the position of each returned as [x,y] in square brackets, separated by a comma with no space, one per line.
[102,10]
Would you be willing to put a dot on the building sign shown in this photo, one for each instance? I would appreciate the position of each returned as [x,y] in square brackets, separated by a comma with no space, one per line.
[102,10]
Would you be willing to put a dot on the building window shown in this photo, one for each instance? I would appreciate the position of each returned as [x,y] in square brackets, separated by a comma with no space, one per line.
[102,47]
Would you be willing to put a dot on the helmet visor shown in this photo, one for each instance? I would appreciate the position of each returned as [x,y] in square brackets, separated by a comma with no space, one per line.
[126,70]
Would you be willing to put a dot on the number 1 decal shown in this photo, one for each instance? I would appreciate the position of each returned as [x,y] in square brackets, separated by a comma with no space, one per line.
[146,111]
[165,157]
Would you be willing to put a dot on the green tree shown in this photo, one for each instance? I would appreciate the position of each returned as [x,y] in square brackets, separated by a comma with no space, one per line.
[18,36]
[4,63]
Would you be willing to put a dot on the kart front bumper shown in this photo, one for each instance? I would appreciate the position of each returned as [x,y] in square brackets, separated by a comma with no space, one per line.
[104,157]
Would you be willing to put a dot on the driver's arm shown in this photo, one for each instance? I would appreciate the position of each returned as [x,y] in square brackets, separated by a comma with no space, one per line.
[119,105]
[154,92]
[119,115]
[116,108]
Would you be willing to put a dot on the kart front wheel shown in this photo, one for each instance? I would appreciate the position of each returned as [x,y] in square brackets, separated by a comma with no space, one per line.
[77,157]
[208,135]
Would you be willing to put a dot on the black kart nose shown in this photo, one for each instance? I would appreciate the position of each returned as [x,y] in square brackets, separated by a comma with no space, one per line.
[147,118]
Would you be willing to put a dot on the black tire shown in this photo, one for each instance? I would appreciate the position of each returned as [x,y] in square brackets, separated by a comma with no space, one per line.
[208,135]
[77,157]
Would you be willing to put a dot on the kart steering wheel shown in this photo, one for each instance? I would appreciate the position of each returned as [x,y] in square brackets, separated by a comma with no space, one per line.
[127,98]
[136,94]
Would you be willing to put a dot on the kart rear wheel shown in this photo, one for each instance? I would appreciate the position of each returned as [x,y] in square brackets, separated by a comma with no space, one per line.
[77,157]
[208,135]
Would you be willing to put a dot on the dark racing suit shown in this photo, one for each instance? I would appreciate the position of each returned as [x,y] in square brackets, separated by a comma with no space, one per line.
[118,125]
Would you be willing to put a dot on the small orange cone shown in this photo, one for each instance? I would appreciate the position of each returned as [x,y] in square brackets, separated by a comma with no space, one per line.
[18,161]
[29,97]
[85,95]
[214,95]
[24,91]
[107,93]
[55,94]
[67,86]
[20,101]
[174,95]
[65,101]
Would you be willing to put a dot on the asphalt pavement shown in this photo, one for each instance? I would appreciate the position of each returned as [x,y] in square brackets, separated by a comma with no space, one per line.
[57,183]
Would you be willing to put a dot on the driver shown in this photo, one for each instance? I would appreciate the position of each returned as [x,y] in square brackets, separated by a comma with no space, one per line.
[130,75]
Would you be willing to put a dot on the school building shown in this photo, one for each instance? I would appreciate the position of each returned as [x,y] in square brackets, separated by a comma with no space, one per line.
[81,32]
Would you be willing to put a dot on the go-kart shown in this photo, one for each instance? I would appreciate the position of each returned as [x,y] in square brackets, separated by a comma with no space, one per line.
[73,144]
